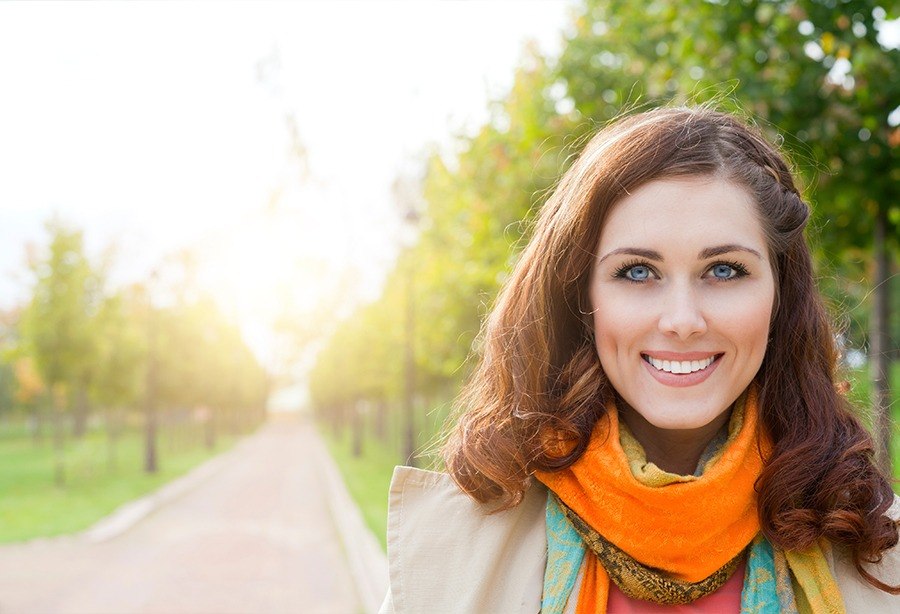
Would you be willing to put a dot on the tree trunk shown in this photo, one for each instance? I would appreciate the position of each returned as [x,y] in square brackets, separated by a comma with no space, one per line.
[37,422]
[151,464]
[879,344]
[169,424]
[210,430]
[59,444]
[356,418]
[112,434]
[381,419]
[409,393]
[337,415]
[80,415]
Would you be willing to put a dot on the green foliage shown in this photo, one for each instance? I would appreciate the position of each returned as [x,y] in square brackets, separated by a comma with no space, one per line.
[477,210]
[7,387]
[81,336]
[811,73]
[122,351]
[57,324]
[201,358]
[860,396]
[364,357]
[7,364]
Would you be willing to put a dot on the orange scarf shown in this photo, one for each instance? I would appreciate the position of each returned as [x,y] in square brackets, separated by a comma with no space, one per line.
[688,529]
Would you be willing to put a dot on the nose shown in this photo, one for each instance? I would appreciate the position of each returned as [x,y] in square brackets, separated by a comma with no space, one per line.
[682,313]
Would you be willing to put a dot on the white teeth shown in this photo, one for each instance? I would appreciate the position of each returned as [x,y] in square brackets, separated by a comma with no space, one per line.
[680,366]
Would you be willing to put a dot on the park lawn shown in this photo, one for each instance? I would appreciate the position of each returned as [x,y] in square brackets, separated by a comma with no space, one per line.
[32,506]
[368,477]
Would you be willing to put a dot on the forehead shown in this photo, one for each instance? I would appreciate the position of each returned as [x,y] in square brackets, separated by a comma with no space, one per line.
[690,212]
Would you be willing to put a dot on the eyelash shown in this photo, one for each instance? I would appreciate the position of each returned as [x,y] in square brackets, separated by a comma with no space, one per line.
[739,269]
[620,272]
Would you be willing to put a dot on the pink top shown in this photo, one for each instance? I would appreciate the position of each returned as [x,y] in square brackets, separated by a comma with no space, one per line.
[726,599]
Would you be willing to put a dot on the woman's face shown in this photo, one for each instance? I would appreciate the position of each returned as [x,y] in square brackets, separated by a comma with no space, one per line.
[682,294]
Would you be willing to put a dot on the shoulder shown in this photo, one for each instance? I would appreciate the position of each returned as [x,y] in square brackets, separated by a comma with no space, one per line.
[447,552]
[859,595]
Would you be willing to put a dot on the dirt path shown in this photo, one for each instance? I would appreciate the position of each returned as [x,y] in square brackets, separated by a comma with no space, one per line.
[255,536]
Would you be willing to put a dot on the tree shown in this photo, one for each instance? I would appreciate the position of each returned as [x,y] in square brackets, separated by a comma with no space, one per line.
[121,350]
[30,390]
[471,228]
[56,324]
[479,206]
[7,363]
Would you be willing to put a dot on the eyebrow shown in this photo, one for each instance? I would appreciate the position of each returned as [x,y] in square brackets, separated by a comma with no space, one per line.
[649,254]
[711,252]
[708,252]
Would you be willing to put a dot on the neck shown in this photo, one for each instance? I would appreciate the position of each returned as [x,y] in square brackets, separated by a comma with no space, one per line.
[675,451]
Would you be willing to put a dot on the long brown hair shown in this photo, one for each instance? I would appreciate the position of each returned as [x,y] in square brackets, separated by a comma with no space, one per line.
[539,372]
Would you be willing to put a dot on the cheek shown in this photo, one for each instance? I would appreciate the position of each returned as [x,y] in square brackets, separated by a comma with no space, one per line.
[746,319]
[617,325]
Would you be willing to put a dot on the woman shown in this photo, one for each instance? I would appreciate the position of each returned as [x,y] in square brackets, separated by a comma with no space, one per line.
[654,425]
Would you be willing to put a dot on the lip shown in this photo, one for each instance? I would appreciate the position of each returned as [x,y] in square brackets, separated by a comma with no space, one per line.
[681,380]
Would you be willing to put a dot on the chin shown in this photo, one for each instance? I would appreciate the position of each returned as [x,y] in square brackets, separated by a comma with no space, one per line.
[680,425]
[691,418]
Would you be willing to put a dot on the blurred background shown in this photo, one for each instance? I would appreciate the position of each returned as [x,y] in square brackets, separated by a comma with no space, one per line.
[218,219]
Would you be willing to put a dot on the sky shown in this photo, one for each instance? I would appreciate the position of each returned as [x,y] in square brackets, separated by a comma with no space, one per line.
[262,136]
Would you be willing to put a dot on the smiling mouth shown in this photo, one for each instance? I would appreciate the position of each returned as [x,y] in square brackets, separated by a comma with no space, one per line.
[680,367]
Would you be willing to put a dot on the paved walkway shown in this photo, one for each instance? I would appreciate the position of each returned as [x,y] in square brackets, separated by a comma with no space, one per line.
[255,536]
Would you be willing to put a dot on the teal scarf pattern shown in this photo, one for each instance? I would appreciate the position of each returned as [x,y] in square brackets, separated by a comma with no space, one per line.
[767,587]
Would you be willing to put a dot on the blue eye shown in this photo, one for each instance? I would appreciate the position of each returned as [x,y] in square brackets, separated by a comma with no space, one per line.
[726,271]
[634,271]
[638,273]
[723,271]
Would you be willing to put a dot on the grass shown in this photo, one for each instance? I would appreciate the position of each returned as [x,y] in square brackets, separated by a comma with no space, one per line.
[368,476]
[860,396]
[31,505]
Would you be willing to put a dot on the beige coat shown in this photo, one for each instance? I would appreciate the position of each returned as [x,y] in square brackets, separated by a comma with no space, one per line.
[447,555]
